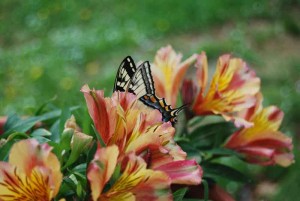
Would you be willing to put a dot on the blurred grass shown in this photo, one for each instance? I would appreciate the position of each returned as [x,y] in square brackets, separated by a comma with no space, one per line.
[51,48]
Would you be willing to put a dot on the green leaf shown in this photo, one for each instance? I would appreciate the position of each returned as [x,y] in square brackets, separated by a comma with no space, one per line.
[98,136]
[215,170]
[91,152]
[11,121]
[79,190]
[55,131]
[223,151]
[56,149]
[4,150]
[65,140]
[74,179]
[40,109]
[195,121]
[179,194]
[206,189]
[191,151]
[85,120]
[26,124]
[214,132]
[7,144]
[81,168]
[41,132]
[225,128]
[79,144]
[17,135]
[115,175]
[68,186]
[65,115]
[41,139]
[81,177]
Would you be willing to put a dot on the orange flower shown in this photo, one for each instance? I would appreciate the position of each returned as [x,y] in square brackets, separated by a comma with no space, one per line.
[133,127]
[232,89]
[168,72]
[122,119]
[135,182]
[32,173]
[263,144]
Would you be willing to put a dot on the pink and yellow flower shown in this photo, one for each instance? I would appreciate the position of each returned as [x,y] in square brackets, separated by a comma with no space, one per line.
[135,182]
[133,127]
[262,143]
[122,119]
[233,88]
[168,72]
[32,173]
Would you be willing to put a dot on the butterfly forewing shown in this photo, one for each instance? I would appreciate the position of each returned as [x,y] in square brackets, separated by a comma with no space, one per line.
[125,73]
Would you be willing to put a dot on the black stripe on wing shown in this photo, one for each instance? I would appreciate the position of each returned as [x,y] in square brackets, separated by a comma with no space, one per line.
[126,71]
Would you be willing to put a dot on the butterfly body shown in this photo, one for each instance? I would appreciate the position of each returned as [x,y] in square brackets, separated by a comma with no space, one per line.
[168,113]
[139,81]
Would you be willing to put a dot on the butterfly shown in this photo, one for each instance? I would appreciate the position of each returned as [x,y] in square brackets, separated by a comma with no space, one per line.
[139,81]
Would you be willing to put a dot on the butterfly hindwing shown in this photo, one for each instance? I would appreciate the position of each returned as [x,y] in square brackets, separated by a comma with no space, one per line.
[142,82]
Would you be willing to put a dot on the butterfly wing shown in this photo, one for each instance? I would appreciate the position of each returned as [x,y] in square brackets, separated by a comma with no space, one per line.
[126,71]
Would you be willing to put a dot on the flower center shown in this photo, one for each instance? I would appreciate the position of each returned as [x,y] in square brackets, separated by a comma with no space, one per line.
[19,187]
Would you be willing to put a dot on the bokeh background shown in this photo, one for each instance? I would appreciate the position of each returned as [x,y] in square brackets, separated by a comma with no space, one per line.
[49,49]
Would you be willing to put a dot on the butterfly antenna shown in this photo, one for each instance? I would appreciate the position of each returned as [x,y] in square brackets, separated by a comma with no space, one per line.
[182,107]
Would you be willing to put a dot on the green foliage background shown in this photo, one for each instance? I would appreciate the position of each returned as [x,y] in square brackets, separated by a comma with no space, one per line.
[49,49]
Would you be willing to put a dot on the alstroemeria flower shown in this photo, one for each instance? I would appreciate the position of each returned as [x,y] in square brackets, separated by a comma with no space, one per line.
[232,89]
[164,154]
[133,127]
[122,119]
[262,143]
[32,173]
[135,182]
[168,72]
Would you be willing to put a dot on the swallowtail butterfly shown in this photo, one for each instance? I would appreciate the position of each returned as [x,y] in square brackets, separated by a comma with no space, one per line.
[139,81]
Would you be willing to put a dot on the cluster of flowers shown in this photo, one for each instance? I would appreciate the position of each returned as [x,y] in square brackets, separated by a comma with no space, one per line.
[137,157]
[234,93]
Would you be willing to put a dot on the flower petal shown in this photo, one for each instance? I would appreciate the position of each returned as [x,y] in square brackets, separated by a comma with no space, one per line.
[202,72]
[183,172]
[99,112]
[101,169]
[168,73]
